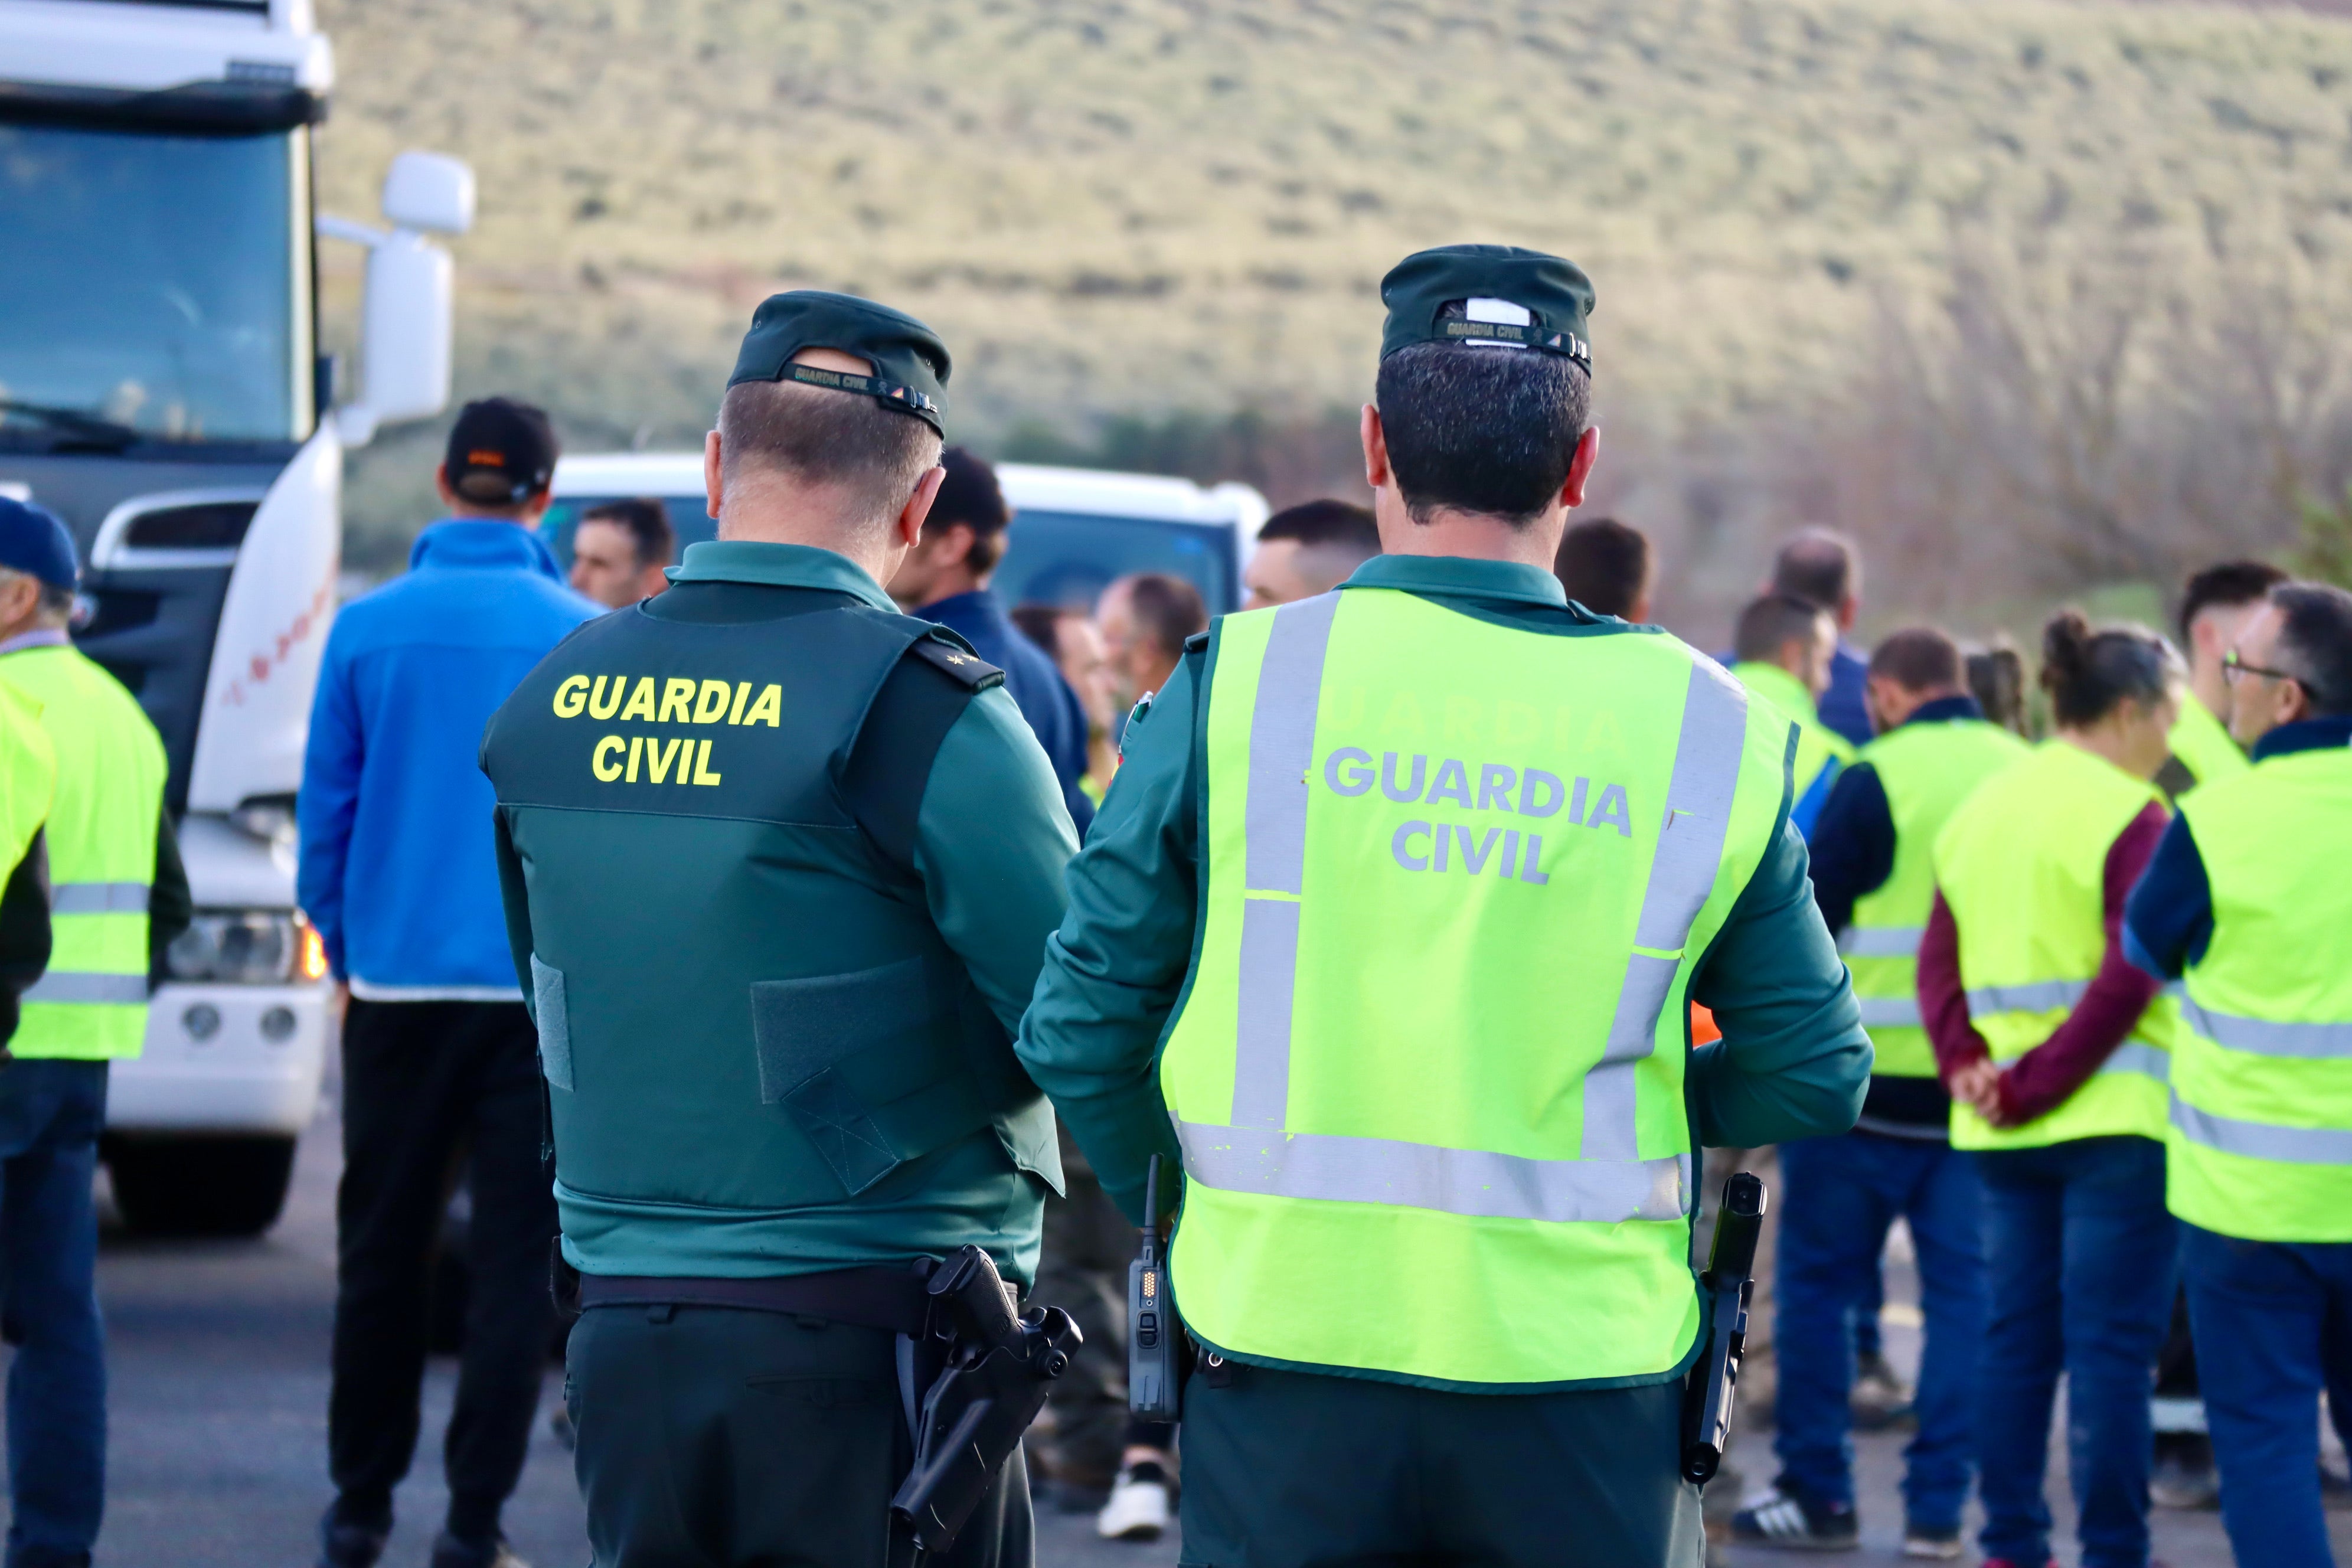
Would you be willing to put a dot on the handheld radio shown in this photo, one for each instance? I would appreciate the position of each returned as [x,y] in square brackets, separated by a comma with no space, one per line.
[1155,1340]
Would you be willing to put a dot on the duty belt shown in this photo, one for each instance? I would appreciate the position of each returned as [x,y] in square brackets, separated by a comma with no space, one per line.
[880,1297]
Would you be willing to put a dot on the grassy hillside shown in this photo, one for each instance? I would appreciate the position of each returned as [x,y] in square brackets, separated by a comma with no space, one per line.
[1147,208]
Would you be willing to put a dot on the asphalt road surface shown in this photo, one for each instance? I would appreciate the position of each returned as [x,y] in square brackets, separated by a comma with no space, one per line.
[219,1391]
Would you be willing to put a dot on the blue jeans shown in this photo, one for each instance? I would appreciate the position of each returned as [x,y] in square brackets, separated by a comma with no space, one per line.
[2080,1257]
[2273,1322]
[1838,1197]
[50,1114]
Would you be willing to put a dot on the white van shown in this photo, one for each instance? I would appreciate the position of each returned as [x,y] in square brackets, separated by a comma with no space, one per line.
[1073,531]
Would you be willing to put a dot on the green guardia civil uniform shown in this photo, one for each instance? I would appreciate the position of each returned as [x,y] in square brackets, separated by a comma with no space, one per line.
[1821,751]
[1927,771]
[2203,745]
[1458,877]
[90,1004]
[2023,864]
[2259,1144]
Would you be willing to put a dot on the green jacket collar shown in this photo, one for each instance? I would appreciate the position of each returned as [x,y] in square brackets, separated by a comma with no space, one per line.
[779,566]
[1778,688]
[1460,577]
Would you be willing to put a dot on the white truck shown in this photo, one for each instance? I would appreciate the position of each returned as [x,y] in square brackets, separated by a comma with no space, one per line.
[1073,531]
[162,389]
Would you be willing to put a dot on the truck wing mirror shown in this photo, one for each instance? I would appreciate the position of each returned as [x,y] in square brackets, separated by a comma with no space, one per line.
[404,319]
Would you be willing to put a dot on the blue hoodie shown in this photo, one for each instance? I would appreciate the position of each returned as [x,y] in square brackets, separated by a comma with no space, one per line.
[397,871]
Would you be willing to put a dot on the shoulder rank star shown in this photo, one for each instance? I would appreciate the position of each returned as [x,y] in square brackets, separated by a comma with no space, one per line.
[961,659]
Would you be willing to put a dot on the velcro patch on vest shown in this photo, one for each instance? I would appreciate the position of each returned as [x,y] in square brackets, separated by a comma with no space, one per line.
[967,668]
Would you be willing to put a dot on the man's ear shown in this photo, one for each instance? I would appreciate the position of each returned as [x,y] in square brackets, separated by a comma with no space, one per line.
[441,483]
[910,526]
[2297,706]
[1375,438]
[1579,467]
[712,470]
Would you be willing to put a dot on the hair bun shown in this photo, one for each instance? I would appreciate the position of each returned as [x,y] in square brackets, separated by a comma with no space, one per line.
[2065,647]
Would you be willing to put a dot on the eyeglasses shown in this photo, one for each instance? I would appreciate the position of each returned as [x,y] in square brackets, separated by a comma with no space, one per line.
[2234,669]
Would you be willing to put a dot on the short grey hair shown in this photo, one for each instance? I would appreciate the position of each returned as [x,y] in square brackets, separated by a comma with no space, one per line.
[2315,643]
[824,437]
[54,611]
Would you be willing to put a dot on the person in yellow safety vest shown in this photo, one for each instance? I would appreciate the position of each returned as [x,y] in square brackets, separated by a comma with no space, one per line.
[1873,877]
[2215,605]
[1416,879]
[1783,646]
[28,784]
[2249,899]
[2056,1049]
[117,894]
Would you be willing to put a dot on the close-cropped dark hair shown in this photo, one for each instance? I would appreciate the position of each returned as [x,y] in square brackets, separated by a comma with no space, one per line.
[1604,565]
[2227,583]
[822,436]
[2315,643]
[970,495]
[1326,525]
[1489,430]
[1818,565]
[1042,624]
[1918,658]
[647,521]
[2088,670]
[1769,622]
[1997,680]
[1167,609]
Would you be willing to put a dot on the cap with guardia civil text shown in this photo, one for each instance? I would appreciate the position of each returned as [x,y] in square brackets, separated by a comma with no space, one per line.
[34,541]
[1524,299]
[910,364]
[500,453]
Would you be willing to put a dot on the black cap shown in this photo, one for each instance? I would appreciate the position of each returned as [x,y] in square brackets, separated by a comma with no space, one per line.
[1555,296]
[910,364]
[501,452]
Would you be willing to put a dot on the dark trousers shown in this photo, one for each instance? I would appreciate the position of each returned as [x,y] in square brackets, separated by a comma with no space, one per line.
[1839,1197]
[2273,1324]
[1287,1469]
[429,1089]
[50,1115]
[715,1439]
[2079,1261]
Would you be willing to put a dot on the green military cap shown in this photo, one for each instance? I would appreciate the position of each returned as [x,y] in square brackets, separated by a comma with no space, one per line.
[910,364]
[1511,296]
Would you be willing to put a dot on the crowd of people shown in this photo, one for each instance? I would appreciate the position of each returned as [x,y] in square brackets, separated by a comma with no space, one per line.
[2082,934]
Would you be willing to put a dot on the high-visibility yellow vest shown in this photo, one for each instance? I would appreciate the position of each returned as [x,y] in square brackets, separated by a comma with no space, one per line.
[2260,1139]
[1926,770]
[2203,744]
[28,776]
[1427,1070]
[91,1003]
[2022,864]
[1821,751]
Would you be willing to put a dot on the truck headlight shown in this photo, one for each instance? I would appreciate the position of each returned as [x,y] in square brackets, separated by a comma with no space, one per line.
[246,947]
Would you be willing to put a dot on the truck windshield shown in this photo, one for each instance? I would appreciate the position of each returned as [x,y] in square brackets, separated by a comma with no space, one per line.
[147,286]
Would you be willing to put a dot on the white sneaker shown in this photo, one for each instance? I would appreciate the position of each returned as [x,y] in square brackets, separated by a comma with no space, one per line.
[1139,1506]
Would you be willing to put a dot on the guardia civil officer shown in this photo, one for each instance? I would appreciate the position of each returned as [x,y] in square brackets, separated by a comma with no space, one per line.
[1415,878]
[2246,898]
[779,863]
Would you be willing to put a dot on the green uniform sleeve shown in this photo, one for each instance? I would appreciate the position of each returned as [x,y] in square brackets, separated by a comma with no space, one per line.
[517,899]
[1114,972]
[992,841]
[1793,1061]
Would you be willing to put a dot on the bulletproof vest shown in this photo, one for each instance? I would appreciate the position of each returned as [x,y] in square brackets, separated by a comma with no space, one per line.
[742,1001]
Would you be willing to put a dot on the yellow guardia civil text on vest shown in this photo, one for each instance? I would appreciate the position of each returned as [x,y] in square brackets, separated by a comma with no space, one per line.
[91,1002]
[1926,770]
[28,775]
[2022,864]
[2259,1144]
[1427,1070]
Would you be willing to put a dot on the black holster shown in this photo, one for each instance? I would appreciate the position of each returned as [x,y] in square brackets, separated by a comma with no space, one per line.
[998,1366]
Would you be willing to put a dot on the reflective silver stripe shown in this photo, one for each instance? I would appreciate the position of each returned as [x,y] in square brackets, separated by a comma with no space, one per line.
[1269,973]
[1889,1011]
[1282,744]
[2268,1038]
[99,898]
[84,988]
[1881,942]
[2038,997]
[1697,812]
[1471,1181]
[2262,1140]
[2137,1056]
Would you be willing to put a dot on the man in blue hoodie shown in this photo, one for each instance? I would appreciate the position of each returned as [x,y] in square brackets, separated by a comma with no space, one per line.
[440,1059]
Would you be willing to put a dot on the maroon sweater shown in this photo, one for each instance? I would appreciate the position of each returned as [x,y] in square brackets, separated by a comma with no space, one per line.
[2040,1080]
